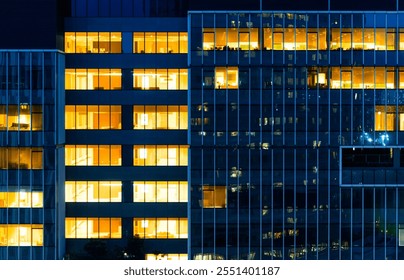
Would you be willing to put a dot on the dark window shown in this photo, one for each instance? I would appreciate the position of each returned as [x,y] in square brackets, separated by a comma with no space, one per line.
[368,157]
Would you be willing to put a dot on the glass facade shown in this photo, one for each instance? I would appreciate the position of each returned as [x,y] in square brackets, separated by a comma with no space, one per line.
[201,133]
[31,162]
[295,134]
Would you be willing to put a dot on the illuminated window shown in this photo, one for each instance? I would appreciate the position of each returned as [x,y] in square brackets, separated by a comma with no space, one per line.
[363,77]
[20,158]
[21,199]
[230,39]
[385,118]
[160,117]
[226,78]
[160,155]
[93,42]
[166,257]
[160,42]
[301,39]
[278,39]
[93,155]
[93,228]
[160,79]
[93,79]
[160,191]
[317,77]
[23,117]
[208,39]
[21,235]
[93,191]
[93,117]
[268,39]
[160,228]
[214,197]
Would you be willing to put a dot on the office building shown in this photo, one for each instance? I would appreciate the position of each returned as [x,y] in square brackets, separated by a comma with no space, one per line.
[31,132]
[188,130]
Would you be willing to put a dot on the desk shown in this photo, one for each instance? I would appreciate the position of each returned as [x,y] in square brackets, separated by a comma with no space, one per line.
[22,125]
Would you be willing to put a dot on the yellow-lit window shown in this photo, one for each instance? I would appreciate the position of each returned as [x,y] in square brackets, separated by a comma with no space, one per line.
[116,228]
[93,42]
[289,39]
[70,79]
[116,42]
[160,228]
[390,78]
[335,41]
[160,79]
[183,79]
[232,39]
[183,42]
[221,40]
[163,81]
[380,77]
[342,77]
[317,77]
[160,117]
[301,38]
[368,38]
[278,37]
[166,257]
[116,79]
[81,79]
[81,42]
[380,39]
[268,38]
[401,117]
[104,42]
[163,191]
[23,117]
[161,42]
[81,117]
[93,155]
[401,38]
[226,77]
[70,42]
[385,118]
[21,235]
[214,197]
[70,117]
[138,42]
[20,158]
[368,78]
[160,155]
[21,199]
[357,39]
[93,79]
[93,191]
[149,79]
[357,77]
[244,39]
[103,228]
[104,79]
[322,39]
[150,42]
[248,39]
[93,117]
[346,38]
[401,78]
